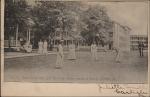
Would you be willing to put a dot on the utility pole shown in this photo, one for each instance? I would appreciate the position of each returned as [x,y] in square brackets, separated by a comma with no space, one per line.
[29,35]
[16,35]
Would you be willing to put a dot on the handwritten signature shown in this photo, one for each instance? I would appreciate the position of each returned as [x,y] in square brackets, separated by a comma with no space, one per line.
[121,89]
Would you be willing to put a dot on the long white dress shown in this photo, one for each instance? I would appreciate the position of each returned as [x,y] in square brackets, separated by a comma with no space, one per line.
[119,55]
[18,46]
[72,54]
[94,51]
[60,57]
[45,47]
[40,44]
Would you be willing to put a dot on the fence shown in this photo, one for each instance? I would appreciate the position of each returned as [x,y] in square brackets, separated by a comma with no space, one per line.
[11,43]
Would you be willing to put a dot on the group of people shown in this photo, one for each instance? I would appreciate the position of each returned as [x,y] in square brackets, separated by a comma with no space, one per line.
[42,47]
[72,53]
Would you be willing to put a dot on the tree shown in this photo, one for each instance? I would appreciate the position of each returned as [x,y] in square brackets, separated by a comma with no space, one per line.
[72,18]
[98,23]
[17,14]
[50,16]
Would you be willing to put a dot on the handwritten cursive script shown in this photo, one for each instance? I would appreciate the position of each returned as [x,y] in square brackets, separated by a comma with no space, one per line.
[121,89]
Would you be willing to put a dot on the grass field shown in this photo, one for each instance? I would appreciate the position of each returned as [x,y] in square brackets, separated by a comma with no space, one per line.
[41,68]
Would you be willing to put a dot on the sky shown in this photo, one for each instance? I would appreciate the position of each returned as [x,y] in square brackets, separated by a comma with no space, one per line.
[131,14]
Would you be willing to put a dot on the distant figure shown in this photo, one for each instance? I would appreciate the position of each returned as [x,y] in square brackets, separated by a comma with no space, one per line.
[94,51]
[110,45]
[22,41]
[60,56]
[18,45]
[72,55]
[141,48]
[118,55]
[45,47]
[11,41]
[40,45]
[51,45]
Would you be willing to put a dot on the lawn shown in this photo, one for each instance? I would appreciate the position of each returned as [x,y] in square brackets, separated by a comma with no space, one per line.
[41,68]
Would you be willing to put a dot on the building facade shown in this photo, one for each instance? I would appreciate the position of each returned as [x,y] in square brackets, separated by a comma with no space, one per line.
[121,37]
[135,39]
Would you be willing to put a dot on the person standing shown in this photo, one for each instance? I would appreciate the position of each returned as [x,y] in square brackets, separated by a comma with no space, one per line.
[141,48]
[118,56]
[51,45]
[40,45]
[45,47]
[94,51]
[18,45]
[110,45]
[72,54]
[60,56]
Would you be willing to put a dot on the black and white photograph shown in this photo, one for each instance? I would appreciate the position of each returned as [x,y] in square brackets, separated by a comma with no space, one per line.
[76,41]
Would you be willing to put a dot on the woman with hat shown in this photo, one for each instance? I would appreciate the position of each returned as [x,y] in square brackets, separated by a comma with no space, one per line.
[45,47]
[40,45]
[60,55]
[72,54]
[94,51]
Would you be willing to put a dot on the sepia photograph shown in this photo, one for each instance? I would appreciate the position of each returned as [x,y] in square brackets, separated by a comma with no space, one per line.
[76,41]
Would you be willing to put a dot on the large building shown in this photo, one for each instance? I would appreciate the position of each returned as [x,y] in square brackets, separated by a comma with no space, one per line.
[121,37]
[135,39]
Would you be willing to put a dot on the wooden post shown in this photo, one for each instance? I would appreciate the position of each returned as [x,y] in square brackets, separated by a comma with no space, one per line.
[78,44]
[16,35]
[54,38]
[29,35]
[72,41]
[67,42]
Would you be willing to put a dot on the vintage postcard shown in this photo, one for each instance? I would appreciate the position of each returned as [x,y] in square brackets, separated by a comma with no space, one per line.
[49,46]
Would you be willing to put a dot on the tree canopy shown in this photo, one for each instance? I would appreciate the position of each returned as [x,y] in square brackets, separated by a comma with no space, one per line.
[73,18]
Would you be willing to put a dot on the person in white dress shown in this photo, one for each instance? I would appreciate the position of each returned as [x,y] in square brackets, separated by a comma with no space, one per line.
[60,56]
[118,56]
[40,45]
[94,51]
[18,45]
[45,47]
[72,54]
